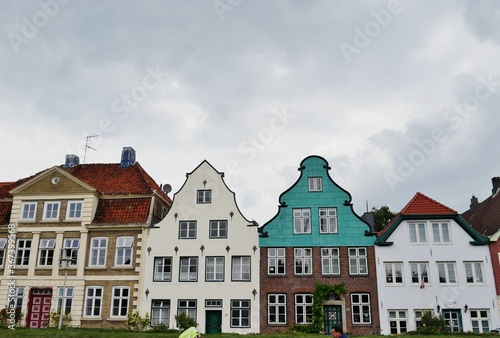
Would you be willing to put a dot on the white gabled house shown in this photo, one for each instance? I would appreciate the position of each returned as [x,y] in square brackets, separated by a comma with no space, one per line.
[429,258]
[203,259]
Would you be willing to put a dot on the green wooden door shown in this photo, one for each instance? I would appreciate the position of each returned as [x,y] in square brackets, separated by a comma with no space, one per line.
[214,322]
[333,317]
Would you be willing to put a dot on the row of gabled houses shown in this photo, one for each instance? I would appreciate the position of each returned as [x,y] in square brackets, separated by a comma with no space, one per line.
[102,240]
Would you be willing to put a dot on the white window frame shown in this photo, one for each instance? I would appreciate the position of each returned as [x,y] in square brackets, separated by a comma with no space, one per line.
[474,272]
[398,317]
[394,273]
[361,308]
[94,300]
[214,269]
[240,313]
[328,220]
[46,252]
[417,232]
[315,183]
[68,299]
[28,211]
[204,196]
[124,250]
[447,272]
[186,267]
[441,232]
[276,308]
[98,252]
[187,306]
[50,212]
[3,244]
[241,269]
[218,229]
[160,312]
[187,229]
[276,261]
[162,269]
[418,313]
[301,221]
[330,261]
[23,251]
[74,210]
[303,308]
[358,261]
[16,300]
[480,320]
[120,301]
[302,261]
[70,250]
[419,273]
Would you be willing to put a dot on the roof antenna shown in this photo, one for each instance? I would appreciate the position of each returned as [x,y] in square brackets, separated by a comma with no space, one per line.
[87,146]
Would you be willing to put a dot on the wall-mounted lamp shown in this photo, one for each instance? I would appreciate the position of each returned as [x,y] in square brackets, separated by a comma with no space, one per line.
[438,307]
[231,214]
[466,307]
[147,293]
[254,248]
[176,215]
[228,248]
[254,293]
[149,250]
[202,247]
[204,183]
[176,249]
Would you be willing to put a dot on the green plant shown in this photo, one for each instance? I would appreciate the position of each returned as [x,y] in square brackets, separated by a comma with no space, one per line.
[431,324]
[54,318]
[184,322]
[9,316]
[321,294]
[135,322]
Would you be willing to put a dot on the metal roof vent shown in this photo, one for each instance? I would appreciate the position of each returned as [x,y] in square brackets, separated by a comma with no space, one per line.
[128,157]
[71,160]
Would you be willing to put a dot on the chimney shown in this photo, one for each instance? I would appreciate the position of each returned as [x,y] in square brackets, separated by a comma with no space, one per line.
[473,202]
[128,157]
[71,160]
[496,185]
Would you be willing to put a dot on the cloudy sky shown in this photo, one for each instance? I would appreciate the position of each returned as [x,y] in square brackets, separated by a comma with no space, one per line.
[398,96]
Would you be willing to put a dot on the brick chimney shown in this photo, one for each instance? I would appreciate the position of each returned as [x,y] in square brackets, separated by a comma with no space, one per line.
[496,184]
[473,202]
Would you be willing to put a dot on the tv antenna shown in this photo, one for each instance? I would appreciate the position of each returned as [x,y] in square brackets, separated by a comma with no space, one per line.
[87,146]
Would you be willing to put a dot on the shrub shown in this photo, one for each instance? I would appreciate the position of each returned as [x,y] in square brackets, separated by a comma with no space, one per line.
[6,316]
[184,322]
[54,318]
[135,322]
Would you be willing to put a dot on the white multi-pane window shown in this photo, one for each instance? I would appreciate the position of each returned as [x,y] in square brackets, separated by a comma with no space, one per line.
[66,293]
[418,232]
[187,306]
[218,229]
[187,229]
[160,312]
[276,308]
[51,210]
[213,302]
[303,308]
[74,210]
[240,269]
[46,252]
[303,261]
[98,251]
[16,299]
[162,269]
[358,262]
[330,261]
[446,272]
[119,301]
[3,244]
[398,321]
[393,272]
[124,248]
[23,252]
[328,220]
[315,183]
[204,196]
[360,307]
[276,261]
[302,221]
[188,269]
[93,301]
[441,232]
[70,250]
[28,210]
[419,273]
[480,320]
[240,313]
[474,272]
[418,316]
[214,269]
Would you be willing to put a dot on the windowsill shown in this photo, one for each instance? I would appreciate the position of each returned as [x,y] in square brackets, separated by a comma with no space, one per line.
[90,318]
[122,267]
[27,220]
[72,220]
[116,319]
[99,267]
[50,220]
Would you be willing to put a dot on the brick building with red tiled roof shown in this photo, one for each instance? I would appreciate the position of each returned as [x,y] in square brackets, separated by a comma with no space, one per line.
[83,226]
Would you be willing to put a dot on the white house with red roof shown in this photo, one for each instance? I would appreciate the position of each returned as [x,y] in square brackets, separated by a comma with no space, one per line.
[203,260]
[77,234]
[430,259]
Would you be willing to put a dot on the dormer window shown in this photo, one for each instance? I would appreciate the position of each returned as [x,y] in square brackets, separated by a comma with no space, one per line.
[204,196]
[28,210]
[51,210]
[315,184]
[74,210]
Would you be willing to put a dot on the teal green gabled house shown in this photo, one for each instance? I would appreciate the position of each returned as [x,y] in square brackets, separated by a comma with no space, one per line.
[316,237]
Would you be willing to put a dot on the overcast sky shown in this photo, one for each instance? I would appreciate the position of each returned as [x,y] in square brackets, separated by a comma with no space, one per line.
[398,96]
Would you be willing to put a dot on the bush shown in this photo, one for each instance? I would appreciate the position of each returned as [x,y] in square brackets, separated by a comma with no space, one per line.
[54,318]
[431,324]
[304,328]
[8,318]
[135,322]
[184,322]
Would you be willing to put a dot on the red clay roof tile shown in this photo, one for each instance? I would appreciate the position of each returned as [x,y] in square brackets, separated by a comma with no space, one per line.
[420,204]
[122,211]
